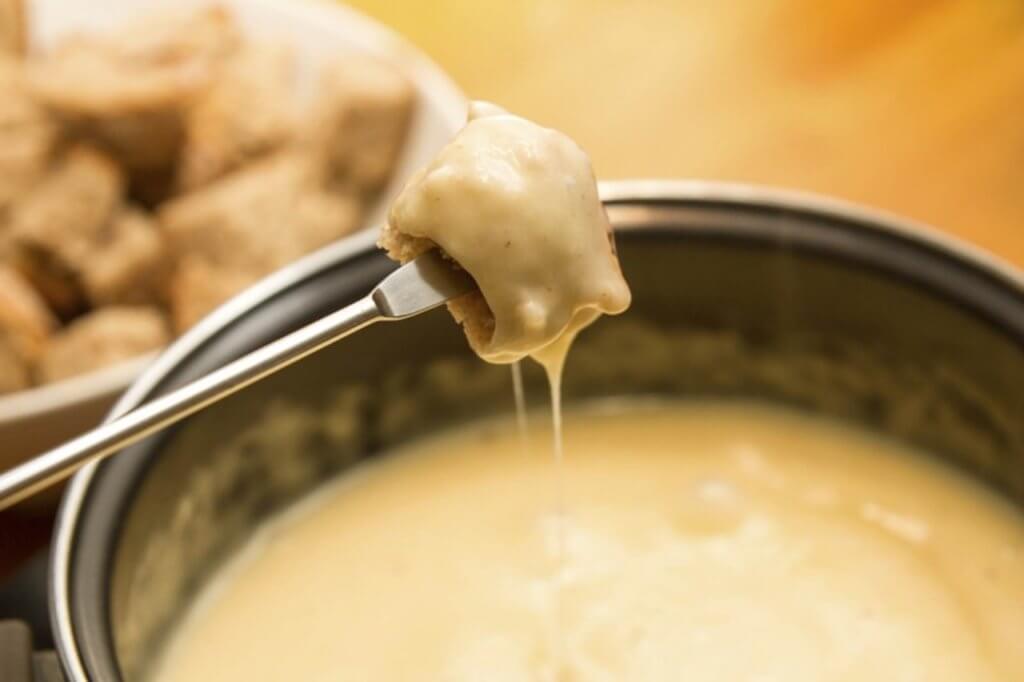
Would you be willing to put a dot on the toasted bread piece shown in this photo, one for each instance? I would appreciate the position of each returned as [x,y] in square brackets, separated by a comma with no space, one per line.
[476,317]
[247,224]
[102,338]
[469,310]
[402,247]
[128,263]
[27,137]
[361,119]
[13,29]
[158,62]
[260,217]
[25,327]
[128,90]
[199,286]
[247,112]
[55,229]
[320,218]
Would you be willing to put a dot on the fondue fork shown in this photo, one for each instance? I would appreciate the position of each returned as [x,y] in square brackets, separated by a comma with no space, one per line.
[421,285]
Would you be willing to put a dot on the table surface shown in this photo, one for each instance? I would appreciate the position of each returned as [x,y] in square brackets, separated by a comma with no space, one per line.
[914,106]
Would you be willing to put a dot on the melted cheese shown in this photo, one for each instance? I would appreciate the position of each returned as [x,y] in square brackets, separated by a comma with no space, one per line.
[702,543]
[516,205]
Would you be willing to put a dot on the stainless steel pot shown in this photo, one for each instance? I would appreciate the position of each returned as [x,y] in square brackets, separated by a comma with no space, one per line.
[738,292]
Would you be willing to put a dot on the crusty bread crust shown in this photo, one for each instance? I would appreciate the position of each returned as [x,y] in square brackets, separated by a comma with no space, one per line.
[470,310]
[101,338]
[25,328]
[361,118]
[401,247]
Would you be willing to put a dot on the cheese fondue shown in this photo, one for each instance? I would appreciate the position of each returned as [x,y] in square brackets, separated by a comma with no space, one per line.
[516,205]
[703,543]
[699,543]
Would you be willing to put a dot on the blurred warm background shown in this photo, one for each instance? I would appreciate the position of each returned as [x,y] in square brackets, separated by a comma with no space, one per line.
[915,106]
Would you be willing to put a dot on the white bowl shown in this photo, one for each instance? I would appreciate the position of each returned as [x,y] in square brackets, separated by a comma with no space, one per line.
[37,419]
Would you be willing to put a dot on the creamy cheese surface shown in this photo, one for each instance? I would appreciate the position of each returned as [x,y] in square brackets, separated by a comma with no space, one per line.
[702,543]
[516,205]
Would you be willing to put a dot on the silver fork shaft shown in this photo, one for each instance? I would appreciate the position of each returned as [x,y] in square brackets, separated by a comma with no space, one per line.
[59,463]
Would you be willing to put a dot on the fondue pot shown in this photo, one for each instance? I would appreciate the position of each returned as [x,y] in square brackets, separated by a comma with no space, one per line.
[738,293]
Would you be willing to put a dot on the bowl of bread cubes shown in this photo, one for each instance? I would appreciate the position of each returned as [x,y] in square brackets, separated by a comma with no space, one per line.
[159,157]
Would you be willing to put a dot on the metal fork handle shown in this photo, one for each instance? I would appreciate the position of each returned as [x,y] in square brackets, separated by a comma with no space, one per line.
[59,463]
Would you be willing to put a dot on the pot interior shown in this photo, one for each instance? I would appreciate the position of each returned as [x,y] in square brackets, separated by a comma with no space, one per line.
[823,311]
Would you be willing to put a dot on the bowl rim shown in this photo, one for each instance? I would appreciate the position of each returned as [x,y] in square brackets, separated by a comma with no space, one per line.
[737,196]
[62,394]
[37,401]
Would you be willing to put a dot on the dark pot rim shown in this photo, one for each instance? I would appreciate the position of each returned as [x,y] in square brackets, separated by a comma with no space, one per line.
[947,262]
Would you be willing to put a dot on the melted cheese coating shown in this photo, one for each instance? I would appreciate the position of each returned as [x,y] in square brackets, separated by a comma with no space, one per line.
[702,543]
[516,205]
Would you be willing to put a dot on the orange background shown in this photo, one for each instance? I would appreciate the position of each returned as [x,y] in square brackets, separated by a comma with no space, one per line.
[915,106]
